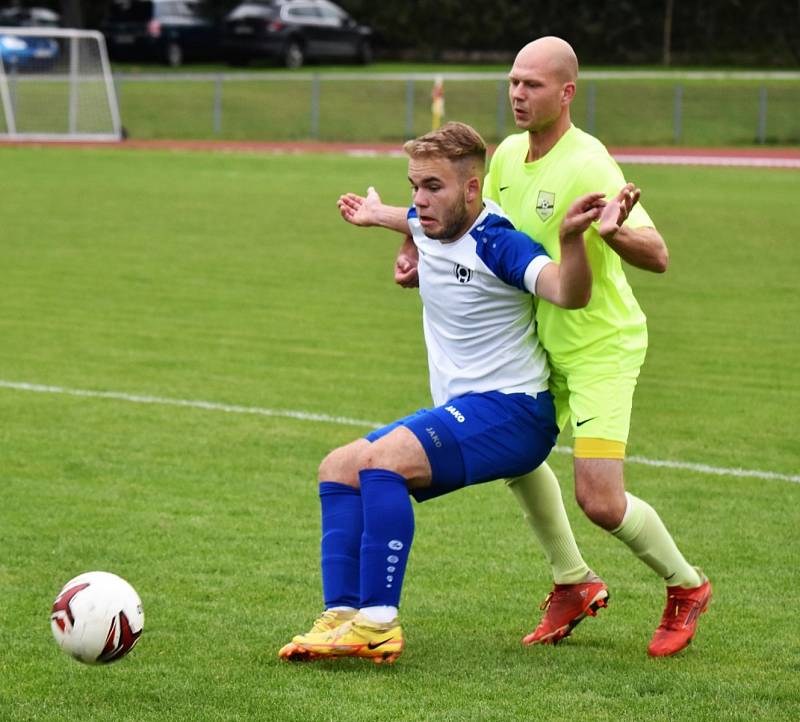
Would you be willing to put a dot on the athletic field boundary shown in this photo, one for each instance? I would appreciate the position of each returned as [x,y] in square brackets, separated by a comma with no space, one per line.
[362,423]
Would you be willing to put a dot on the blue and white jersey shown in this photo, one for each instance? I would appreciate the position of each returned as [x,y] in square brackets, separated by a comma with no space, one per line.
[478,314]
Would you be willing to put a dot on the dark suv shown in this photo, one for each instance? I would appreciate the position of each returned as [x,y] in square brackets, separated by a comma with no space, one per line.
[169,31]
[294,31]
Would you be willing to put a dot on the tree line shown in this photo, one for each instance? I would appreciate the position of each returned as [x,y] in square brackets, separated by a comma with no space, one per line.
[608,32]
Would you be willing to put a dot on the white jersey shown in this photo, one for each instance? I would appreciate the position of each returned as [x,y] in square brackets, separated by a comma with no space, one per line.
[478,314]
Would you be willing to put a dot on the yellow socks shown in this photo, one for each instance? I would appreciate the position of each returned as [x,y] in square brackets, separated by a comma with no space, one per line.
[647,537]
[539,495]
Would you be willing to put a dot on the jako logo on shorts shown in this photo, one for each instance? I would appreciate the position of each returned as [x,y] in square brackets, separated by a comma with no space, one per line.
[437,442]
[457,415]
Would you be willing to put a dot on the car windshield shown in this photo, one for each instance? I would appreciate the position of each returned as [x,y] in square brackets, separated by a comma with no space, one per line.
[249,10]
[35,17]
[142,11]
[180,9]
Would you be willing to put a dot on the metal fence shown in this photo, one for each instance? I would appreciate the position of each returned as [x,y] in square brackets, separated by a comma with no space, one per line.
[622,108]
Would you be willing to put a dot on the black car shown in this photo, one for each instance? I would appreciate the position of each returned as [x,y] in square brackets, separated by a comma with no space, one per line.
[29,17]
[169,31]
[294,31]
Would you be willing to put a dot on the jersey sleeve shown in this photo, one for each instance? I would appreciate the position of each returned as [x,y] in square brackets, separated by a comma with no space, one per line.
[601,173]
[414,226]
[535,267]
[509,254]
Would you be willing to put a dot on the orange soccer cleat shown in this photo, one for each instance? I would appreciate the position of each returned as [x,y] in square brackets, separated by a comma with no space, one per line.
[565,607]
[679,621]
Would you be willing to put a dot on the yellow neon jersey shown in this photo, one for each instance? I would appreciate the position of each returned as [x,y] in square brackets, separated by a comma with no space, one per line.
[536,197]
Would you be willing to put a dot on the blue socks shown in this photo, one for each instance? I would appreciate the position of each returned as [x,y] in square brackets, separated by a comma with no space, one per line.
[366,539]
[388,533]
[342,523]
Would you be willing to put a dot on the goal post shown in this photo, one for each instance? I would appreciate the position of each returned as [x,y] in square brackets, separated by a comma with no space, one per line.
[56,84]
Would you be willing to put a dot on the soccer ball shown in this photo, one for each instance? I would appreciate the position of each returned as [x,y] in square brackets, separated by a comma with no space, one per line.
[97,617]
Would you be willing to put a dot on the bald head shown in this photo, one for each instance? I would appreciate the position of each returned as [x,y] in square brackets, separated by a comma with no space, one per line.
[541,86]
[550,55]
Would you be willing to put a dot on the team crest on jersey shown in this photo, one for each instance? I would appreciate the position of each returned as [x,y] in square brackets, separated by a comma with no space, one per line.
[464,275]
[545,204]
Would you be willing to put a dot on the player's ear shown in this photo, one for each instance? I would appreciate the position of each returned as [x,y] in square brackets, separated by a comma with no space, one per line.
[472,188]
[567,93]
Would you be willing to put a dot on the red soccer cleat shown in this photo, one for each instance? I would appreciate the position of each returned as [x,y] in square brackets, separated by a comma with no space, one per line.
[679,621]
[566,606]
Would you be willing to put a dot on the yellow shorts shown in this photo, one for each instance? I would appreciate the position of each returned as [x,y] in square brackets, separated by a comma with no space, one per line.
[596,396]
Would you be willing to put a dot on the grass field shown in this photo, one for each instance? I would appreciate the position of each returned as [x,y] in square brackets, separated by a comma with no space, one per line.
[229,279]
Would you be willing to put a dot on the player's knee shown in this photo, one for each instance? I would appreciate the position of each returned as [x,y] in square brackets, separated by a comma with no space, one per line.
[375,457]
[601,510]
[339,466]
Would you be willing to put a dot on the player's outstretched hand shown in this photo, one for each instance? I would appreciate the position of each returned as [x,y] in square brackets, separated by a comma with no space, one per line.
[360,210]
[617,210]
[581,214]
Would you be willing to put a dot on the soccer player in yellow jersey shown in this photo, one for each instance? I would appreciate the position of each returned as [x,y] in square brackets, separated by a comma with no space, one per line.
[595,353]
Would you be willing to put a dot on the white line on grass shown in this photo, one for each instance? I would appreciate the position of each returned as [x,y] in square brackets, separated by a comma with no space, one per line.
[346,421]
[194,404]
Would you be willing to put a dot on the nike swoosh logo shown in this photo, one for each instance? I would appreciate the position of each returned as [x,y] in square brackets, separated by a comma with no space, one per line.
[666,579]
[502,188]
[585,421]
[375,645]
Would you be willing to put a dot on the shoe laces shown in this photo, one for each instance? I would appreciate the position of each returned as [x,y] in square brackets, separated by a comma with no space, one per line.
[328,620]
[547,600]
[556,596]
[678,611]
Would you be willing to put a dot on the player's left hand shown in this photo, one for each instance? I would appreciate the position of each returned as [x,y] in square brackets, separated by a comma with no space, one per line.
[580,215]
[617,210]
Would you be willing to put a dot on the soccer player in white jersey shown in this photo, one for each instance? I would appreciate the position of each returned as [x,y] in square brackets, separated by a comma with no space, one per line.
[493,416]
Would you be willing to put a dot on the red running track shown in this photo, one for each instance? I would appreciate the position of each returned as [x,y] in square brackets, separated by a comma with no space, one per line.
[747,157]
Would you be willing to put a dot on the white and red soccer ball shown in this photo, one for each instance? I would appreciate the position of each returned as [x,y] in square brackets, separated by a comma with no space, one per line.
[97,617]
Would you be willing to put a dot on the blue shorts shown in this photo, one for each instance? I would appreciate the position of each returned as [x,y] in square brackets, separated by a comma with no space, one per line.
[480,437]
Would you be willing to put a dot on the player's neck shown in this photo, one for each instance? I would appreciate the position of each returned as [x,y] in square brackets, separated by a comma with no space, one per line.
[541,142]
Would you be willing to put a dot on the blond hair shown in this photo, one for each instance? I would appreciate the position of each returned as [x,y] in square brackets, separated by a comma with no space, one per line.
[454,141]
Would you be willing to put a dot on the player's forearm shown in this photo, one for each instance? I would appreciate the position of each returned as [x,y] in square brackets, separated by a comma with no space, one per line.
[394,218]
[641,247]
[575,275]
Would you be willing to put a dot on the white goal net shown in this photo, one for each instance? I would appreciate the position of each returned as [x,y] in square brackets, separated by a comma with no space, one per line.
[56,84]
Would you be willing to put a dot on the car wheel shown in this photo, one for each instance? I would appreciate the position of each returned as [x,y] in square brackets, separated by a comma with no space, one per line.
[293,57]
[174,55]
[364,54]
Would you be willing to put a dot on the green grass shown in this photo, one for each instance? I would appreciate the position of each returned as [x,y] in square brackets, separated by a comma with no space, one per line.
[229,278]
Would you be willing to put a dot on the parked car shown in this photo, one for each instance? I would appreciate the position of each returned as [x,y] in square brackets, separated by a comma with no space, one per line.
[293,32]
[169,31]
[28,53]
